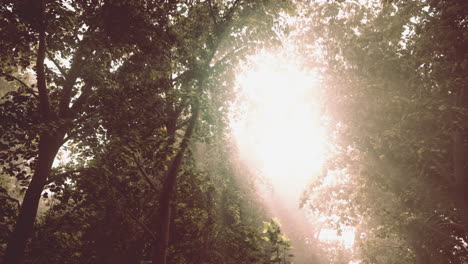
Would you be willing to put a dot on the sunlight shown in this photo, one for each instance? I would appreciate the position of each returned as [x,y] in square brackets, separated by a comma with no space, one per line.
[346,238]
[278,129]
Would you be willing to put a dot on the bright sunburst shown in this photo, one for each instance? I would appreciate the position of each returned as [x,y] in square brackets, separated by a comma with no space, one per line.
[278,133]
[279,125]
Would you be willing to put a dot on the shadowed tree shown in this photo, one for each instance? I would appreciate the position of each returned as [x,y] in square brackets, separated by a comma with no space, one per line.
[80,51]
[44,35]
[395,88]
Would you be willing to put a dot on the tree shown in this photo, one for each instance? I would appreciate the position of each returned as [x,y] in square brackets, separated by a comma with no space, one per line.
[145,80]
[210,26]
[31,32]
[390,74]
[279,243]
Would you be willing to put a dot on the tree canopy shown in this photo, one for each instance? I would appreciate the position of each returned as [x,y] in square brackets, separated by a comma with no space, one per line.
[115,144]
[396,78]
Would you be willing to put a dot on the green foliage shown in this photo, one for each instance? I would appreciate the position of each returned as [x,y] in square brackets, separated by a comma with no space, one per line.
[396,103]
[8,211]
[279,244]
[123,78]
[19,142]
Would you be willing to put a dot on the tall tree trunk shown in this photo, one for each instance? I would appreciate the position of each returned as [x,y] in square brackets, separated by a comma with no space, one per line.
[49,143]
[48,147]
[165,212]
[460,161]
[414,234]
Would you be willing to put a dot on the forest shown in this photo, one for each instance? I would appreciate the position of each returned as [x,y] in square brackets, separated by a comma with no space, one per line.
[234,131]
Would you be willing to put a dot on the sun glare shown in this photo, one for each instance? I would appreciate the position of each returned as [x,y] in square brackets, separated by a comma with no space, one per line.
[346,238]
[278,129]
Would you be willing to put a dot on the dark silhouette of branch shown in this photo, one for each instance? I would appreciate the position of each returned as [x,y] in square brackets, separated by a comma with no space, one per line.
[143,225]
[143,173]
[44,105]
[87,89]
[23,84]
[81,55]
[57,64]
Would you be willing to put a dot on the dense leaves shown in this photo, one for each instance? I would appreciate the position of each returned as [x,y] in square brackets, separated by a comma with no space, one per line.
[396,78]
[114,115]
[124,90]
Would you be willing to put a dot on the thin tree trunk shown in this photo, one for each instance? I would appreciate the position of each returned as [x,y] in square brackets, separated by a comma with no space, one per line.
[44,105]
[165,212]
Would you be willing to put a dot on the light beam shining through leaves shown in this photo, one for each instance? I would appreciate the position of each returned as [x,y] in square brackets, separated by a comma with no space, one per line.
[278,129]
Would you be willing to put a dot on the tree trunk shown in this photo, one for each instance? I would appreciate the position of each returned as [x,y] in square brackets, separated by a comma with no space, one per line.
[48,147]
[460,160]
[49,144]
[415,235]
[165,212]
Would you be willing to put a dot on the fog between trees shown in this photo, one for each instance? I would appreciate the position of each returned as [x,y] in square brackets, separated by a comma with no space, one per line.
[116,146]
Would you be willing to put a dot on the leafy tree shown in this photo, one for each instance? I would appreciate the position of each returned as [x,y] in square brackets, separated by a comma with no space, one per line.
[279,243]
[396,96]
[77,33]
[124,98]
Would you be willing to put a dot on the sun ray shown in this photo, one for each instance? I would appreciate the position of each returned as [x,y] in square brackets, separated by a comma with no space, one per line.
[279,127]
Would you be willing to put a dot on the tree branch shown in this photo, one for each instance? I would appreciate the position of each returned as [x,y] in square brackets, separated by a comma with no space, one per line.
[72,76]
[114,187]
[9,76]
[44,105]
[229,14]
[229,55]
[65,174]
[87,89]
[77,121]
[70,81]
[28,89]
[215,20]
[143,225]
[182,124]
[185,75]
[62,71]
[143,173]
